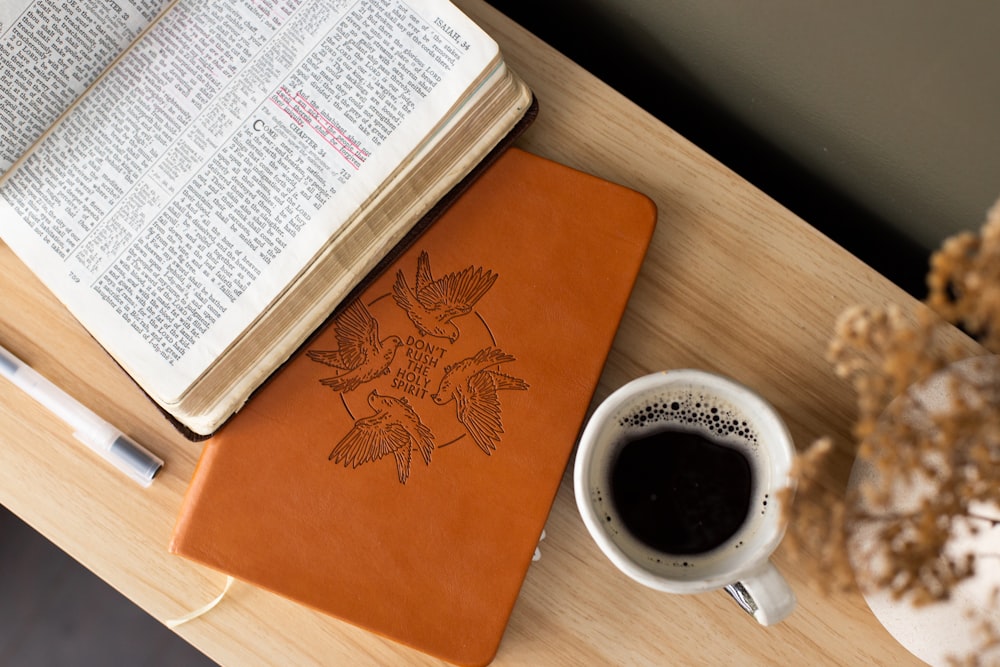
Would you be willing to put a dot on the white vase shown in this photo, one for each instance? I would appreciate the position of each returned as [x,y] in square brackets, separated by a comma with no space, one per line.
[941,631]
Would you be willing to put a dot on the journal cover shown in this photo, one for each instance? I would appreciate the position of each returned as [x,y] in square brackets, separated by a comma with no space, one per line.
[398,472]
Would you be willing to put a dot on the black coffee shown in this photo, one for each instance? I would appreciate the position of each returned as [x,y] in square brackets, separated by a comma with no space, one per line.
[679,492]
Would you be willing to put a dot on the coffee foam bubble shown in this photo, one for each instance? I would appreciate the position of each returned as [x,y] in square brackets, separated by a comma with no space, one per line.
[709,415]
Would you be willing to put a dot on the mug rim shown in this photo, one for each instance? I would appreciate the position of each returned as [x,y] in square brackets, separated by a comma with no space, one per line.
[584,457]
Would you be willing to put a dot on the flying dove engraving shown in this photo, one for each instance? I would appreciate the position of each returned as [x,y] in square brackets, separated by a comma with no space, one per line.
[433,304]
[360,355]
[394,429]
[473,384]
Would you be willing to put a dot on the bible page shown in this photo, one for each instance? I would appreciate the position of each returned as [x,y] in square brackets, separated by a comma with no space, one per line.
[205,170]
[50,52]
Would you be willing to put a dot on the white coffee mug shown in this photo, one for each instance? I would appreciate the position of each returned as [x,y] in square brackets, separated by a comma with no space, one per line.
[652,409]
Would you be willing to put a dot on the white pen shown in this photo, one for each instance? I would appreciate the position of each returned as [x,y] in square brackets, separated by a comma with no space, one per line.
[114,446]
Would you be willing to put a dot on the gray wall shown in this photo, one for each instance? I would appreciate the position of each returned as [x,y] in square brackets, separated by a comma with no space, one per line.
[896,102]
[876,121]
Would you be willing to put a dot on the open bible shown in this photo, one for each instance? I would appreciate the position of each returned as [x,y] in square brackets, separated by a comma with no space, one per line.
[201,182]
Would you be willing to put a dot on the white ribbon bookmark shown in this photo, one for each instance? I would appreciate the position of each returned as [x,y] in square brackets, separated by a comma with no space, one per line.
[173,623]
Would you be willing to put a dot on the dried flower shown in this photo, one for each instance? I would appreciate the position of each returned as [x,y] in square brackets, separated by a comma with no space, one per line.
[927,439]
[964,281]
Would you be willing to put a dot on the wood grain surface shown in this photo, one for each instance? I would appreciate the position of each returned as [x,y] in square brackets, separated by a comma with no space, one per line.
[733,283]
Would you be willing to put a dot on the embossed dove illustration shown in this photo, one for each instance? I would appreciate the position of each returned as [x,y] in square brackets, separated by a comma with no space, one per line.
[394,429]
[473,384]
[433,304]
[360,355]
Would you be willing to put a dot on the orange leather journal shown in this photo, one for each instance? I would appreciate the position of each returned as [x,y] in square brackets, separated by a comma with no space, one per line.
[397,473]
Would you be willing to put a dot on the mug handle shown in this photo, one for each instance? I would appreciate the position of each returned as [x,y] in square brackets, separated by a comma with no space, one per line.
[764,594]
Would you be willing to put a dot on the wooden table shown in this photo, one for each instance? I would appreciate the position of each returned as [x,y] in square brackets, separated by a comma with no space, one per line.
[733,283]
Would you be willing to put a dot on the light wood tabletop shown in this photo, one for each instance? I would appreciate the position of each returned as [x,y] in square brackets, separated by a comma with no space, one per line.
[733,283]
